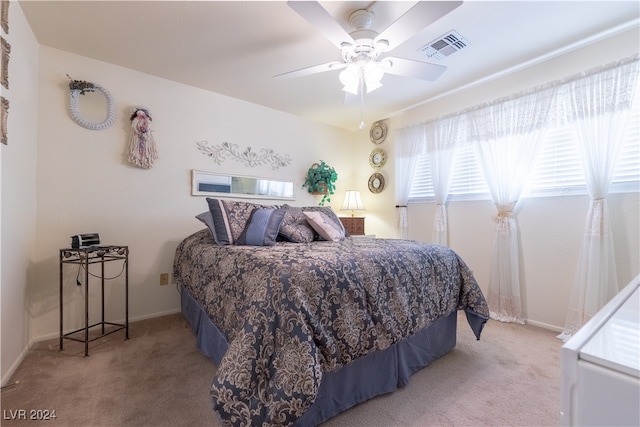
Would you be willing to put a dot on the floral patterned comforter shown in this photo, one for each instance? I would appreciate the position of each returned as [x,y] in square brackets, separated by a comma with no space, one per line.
[295,310]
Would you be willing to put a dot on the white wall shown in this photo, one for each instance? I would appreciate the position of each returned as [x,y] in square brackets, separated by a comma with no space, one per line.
[18,189]
[550,228]
[86,185]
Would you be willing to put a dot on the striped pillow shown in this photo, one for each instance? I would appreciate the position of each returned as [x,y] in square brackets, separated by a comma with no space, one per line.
[221,228]
[262,227]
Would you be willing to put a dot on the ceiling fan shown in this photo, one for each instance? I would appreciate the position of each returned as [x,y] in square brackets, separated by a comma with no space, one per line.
[363,63]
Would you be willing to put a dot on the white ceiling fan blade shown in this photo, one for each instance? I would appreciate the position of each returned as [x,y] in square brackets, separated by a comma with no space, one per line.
[420,16]
[416,69]
[329,66]
[318,16]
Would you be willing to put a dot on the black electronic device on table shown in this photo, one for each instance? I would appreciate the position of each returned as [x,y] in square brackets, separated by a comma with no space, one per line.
[84,240]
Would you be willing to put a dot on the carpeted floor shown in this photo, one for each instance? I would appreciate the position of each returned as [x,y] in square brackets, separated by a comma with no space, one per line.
[511,377]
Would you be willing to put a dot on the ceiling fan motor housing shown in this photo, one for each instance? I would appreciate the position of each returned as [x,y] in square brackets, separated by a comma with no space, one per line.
[366,47]
[361,19]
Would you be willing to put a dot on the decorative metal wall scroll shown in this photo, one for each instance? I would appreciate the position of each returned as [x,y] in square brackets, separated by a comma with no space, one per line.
[250,158]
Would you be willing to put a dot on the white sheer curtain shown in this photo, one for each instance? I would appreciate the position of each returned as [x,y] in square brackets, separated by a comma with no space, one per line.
[410,144]
[508,134]
[598,107]
[442,138]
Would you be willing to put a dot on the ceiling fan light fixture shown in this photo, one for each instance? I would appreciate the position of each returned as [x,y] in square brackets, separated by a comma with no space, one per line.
[349,76]
[373,72]
[353,89]
[371,86]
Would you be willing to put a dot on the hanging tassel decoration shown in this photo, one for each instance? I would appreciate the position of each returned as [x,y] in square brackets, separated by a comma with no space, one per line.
[142,147]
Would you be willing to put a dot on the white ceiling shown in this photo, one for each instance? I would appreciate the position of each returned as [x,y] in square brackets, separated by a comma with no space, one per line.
[236,47]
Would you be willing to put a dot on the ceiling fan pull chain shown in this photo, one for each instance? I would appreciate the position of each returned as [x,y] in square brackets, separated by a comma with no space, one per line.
[361,103]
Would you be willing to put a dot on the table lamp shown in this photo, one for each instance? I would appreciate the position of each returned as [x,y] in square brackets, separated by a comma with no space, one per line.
[352,202]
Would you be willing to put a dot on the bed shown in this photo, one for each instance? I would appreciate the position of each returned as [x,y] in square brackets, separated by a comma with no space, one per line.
[302,319]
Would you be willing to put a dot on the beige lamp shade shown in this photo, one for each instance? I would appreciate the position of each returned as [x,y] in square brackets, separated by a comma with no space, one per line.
[352,202]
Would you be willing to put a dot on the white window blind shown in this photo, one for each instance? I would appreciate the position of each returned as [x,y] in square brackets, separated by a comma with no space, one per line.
[557,170]
[422,183]
[628,170]
[467,181]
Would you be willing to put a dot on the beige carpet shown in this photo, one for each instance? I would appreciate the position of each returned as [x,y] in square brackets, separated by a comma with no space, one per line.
[511,377]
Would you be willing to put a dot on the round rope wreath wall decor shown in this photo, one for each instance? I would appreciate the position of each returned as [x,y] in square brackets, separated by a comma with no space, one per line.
[79,87]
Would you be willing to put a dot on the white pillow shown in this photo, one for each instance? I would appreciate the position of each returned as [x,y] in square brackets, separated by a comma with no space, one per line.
[325,226]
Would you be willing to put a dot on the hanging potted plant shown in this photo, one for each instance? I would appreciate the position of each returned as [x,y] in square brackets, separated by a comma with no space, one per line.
[321,179]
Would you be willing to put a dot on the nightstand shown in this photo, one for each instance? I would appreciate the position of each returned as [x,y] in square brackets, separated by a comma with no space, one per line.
[83,257]
[353,224]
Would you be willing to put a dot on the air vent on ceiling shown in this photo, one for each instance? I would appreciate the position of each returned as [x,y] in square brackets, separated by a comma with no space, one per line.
[444,46]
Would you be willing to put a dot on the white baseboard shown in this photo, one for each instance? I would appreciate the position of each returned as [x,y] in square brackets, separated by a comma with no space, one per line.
[544,325]
[151,316]
[15,364]
[53,335]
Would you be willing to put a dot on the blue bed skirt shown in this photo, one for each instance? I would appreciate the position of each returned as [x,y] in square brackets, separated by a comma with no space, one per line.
[354,383]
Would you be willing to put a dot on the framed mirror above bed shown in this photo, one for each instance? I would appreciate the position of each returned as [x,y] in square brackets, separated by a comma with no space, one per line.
[220,185]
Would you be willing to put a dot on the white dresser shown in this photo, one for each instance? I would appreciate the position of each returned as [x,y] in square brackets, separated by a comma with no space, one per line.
[601,366]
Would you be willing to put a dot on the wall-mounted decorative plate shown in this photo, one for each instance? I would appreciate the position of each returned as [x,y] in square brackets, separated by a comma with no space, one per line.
[376,183]
[378,132]
[377,158]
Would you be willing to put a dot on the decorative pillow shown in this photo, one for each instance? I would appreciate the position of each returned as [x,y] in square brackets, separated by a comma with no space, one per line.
[221,230]
[238,214]
[207,219]
[295,227]
[262,227]
[325,226]
[330,214]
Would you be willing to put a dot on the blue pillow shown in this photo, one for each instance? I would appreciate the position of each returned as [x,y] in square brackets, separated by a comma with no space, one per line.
[262,227]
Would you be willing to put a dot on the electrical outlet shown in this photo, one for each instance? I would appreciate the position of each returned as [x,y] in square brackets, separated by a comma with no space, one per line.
[164,279]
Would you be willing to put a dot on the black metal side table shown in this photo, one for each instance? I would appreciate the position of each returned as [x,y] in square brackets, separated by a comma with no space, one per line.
[84,257]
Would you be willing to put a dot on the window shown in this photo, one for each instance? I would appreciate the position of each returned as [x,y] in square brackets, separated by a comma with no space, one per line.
[422,184]
[558,170]
[467,181]
[628,172]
